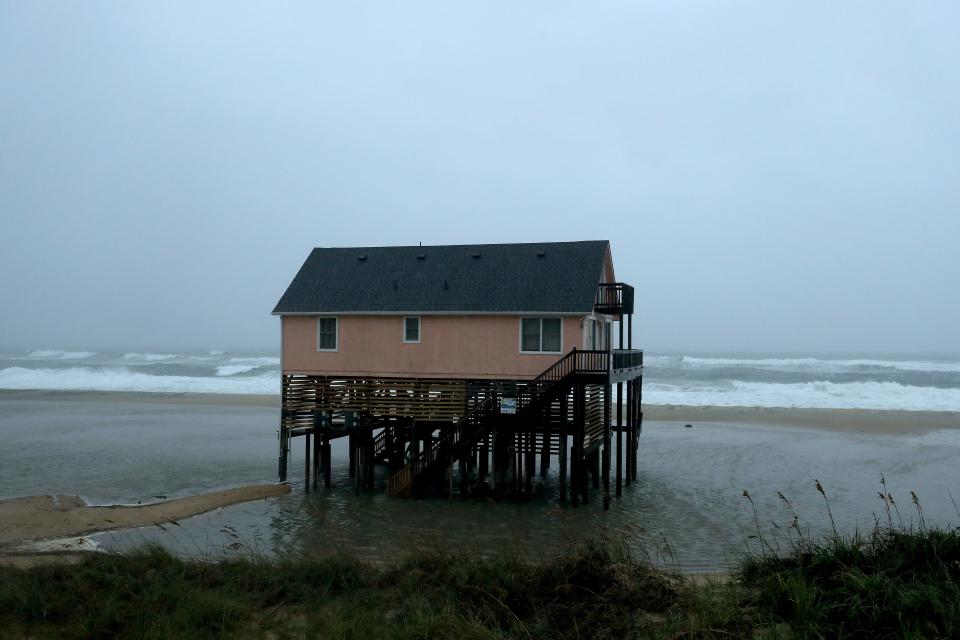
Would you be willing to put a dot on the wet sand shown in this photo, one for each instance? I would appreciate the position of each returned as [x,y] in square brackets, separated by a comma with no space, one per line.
[42,517]
[861,421]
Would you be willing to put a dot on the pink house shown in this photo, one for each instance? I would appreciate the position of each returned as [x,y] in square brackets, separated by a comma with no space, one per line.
[423,356]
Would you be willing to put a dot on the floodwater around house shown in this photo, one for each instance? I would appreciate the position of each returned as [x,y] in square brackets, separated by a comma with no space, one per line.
[688,497]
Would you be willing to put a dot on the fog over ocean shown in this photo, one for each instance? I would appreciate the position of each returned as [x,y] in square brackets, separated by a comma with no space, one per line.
[862,382]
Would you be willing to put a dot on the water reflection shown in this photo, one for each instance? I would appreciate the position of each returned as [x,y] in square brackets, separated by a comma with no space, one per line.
[688,493]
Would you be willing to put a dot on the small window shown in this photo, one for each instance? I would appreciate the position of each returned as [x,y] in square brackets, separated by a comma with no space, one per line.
[411,329]
[541,335]
[326,334]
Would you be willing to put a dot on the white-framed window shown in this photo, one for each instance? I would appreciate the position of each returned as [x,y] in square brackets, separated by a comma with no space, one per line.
[541,335]
[328,338]
[411,329]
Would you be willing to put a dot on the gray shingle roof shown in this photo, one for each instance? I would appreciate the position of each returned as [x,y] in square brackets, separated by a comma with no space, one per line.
[449,279]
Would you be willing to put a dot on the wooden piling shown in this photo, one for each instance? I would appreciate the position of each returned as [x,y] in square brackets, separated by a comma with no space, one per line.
[595,468]
[352,453]
[606,446]
[484,459]
[562,453]
[545,444]
[531,462]
[306,460]
[283,437]
[326,461]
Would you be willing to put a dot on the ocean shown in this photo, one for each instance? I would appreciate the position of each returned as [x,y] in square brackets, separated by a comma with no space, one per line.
[687,502]
[691,379]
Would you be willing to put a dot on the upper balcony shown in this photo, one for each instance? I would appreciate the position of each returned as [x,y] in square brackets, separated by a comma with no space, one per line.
[614,299]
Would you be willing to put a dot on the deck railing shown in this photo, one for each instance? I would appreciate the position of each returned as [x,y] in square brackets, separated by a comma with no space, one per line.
[627,358]
[614,298]
[577,361]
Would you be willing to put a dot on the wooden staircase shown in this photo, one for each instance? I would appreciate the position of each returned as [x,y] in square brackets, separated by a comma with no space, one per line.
[457,440]
[452,442]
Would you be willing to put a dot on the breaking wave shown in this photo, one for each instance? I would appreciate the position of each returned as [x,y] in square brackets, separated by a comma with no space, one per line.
[815,395]
[260,361]
[149,357]
[122,379]
[57,354]
[804,364]
[234,369]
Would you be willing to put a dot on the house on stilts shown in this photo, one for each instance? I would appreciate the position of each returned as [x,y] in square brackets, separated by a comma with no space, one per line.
[462,367]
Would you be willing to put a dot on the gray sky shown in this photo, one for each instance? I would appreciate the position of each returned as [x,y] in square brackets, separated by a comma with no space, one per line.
[771,177]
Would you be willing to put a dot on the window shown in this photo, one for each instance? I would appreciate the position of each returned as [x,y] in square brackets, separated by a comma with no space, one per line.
[326,334]
[411,329]
[540,335]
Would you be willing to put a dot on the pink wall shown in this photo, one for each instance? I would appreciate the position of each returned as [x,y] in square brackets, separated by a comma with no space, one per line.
[449,347]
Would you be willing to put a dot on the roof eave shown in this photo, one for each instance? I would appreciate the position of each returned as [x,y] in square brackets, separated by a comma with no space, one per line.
[432,313]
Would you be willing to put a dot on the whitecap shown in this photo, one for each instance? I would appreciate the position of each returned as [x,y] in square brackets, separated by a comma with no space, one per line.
[57,354]
[233,369]
[123,379]
[805,364]
[814,395]
[149,357]
[257,361]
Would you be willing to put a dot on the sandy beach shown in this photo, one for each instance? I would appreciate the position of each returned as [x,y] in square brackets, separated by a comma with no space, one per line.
[42,517]
[863,421]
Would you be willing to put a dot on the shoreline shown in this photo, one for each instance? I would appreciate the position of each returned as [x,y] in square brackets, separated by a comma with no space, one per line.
[35,518]
[163,397]
[867,421]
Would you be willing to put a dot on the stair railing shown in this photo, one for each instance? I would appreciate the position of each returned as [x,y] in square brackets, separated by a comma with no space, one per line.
[463,433]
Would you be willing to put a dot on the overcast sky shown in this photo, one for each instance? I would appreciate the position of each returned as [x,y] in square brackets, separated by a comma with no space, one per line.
[771,177]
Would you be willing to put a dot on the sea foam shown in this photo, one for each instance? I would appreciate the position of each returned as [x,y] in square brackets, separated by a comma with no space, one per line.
[804,364]
[259,361]
[815,395]
[122,379]
[57,354]
[149,357]
[234,369]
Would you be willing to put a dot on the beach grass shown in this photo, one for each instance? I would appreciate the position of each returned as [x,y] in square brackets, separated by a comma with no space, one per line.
[891,583]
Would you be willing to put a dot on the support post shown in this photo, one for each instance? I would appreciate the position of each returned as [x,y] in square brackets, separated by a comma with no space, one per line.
[621,415]
[326,461]
[357,464]
[370,466]
[636,425]
[595,468]
[496,481]
[606,445]
[316,457]
[306,460]
[531,461]
[545,444]
[352,448]
[579,459]
[283,435]
[562,461]
[484,462]
[629,434]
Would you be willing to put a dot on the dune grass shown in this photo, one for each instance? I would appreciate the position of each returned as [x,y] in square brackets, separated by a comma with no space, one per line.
[894,582]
